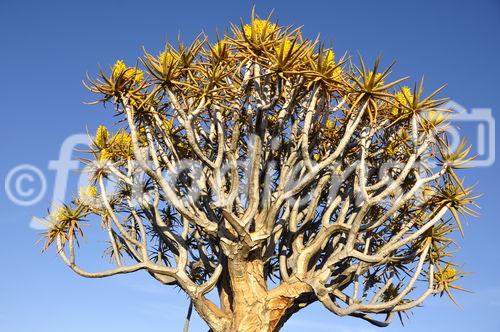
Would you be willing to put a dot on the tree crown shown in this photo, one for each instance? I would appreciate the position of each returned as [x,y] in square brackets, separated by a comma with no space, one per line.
[265,149]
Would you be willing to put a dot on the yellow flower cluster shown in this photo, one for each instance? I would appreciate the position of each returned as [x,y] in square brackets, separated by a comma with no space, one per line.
[121,144]
[220,51]
[122,139]
[448,274]
[259,27]
[329,57]
[106,155]
[287,46]
[436,118]
[167,58]
[337,73]
[330,131]
[110,148]
[120,68]
[377,78]
[220,45]
[87,193]
[329,61]
[403,98]
[59,214]
[101,137]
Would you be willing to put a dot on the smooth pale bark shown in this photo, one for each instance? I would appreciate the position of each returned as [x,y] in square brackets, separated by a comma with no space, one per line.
[251,306]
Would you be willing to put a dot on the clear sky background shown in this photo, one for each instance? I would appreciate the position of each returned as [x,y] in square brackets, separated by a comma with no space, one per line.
[46,47]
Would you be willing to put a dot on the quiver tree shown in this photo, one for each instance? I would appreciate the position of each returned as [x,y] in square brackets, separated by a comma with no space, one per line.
[263,169]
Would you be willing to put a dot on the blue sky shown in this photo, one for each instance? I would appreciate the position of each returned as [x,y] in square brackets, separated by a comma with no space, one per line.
[47,47]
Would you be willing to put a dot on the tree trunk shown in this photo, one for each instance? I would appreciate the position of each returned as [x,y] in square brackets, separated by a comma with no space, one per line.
[249,293]
[250,305]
